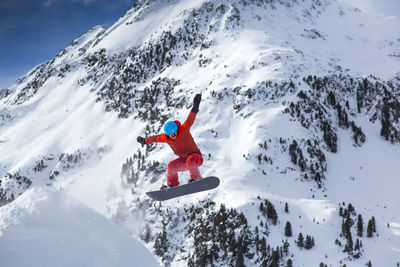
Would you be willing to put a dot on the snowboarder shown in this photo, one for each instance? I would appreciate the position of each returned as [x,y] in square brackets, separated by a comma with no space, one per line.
[178,137]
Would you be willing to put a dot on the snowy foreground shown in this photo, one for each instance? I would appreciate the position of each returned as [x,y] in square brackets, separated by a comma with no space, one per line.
[45,227]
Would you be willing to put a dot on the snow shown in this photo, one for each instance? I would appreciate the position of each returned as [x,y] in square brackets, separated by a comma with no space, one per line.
[46,227]
[378,7]
[64,117]
[128,33]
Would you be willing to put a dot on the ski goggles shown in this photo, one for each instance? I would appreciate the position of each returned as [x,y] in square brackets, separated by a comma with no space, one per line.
[175,134]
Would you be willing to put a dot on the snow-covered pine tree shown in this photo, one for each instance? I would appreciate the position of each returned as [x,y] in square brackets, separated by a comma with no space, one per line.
[288,229]
[360,225]
[300,240]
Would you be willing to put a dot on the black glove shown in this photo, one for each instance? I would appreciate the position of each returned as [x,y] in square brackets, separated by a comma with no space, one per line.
[196,103]
[141,140]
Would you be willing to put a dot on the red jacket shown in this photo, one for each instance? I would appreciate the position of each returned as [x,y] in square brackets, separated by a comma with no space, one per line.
[184,144]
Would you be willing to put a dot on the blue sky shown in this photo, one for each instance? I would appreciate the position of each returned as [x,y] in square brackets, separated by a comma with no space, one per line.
[34,31]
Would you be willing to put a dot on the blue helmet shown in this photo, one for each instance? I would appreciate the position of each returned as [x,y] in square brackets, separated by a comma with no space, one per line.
[170,127]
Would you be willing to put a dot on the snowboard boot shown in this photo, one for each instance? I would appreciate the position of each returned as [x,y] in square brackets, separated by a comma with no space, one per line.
[163,186]
[191,180]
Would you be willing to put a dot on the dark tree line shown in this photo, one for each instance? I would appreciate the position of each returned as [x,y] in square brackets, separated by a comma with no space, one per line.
[220,235]
[138,166]
[314,165]
[350,219]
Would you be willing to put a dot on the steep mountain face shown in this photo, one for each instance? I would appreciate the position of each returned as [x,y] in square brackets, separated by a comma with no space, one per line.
[299,119]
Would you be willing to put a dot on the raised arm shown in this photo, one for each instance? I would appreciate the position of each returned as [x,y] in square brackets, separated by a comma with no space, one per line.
[193,112]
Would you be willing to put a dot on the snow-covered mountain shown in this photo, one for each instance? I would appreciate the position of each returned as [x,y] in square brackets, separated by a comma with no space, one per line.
[299,119]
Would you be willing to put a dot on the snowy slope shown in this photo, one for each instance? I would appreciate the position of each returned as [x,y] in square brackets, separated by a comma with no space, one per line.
[45,227]
[272,75]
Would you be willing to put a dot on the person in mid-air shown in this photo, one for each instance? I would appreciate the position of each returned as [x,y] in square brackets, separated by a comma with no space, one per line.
[178,137]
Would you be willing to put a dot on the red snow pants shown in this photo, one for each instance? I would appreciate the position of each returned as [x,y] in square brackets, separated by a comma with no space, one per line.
[190,163]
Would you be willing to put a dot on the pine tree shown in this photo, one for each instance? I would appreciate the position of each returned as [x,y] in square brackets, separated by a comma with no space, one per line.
[263,248]
[349,243]
[271,212]
[360,226]
[373,224]
[275,257]
[331,98]
[289,263]
[369,264]
[308,244]
[264,263]
[286,207]
[385,121]
[357,245]
[357,249]
[346,224]
[190,262]
[147,234]
[351,209]
[239,258]
[292,151]
[160,245]
[288,229]
[369,229]
[261,208]
[341,211]
[300,240]
[329,136]
[286,248]
[202,257]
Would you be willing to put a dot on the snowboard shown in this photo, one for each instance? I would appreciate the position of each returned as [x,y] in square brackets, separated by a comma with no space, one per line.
[204,184]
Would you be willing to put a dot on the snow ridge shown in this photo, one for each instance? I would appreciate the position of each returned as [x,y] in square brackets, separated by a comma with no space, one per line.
[299,119]
[43,224]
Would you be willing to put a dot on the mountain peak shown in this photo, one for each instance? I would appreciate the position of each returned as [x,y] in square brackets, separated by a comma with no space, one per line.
[299,116]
